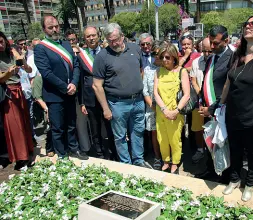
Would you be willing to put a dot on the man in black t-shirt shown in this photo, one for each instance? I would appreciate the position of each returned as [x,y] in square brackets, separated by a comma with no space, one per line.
[118,87]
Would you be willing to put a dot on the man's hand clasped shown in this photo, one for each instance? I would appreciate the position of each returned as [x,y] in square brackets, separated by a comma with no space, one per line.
[108,114]
[71,89]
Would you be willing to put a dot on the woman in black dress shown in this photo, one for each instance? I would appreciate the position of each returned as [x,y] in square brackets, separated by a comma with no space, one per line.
[238,95]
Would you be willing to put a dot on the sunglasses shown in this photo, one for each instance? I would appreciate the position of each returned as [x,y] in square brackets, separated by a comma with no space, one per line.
[207,51]
[166,57]
[71,39]
[250,23]
[189,36]
[22,44]
[154,53]
[145,43]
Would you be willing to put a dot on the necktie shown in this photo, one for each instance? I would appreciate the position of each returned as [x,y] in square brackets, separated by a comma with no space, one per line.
[216,57]
[94,53]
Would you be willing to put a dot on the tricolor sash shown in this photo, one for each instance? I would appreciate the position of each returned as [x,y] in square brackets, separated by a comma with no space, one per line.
[209,93]
[87,58]
[60,50]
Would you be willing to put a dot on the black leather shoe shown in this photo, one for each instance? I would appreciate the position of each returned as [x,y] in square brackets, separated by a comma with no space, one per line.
[79,155]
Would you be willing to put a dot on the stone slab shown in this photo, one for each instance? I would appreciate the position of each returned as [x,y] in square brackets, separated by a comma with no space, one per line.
[118,206]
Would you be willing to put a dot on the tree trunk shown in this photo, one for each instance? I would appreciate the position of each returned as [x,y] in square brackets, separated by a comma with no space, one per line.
[66,24]
[25,5]
[108,9]
[112,8]
[83,15]
[198,11]
[74,3]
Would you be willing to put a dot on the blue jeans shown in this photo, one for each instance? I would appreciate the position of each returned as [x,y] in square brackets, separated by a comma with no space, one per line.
[128,115]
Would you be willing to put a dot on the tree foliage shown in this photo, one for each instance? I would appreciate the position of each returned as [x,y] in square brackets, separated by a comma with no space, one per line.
[35,31]
[128,22]
[232,19]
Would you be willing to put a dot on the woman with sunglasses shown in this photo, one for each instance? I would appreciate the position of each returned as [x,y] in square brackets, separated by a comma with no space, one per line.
[237,94]
[169,121]
[148,93]
[188,53]
[15,112]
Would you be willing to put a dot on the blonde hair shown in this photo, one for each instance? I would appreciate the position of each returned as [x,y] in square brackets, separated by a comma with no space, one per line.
[171,50]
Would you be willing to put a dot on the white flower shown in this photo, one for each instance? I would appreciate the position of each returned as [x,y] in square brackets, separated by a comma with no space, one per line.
[75,218]
[45,187]
[81,178]
[108,182]
[122,185]
[133,181]
[18,213]
[42,210]
[195,203]
[70,185]
[163,206]
[160,195]
[199,212]
[209,214]
[231,205]
[242,217]
[218,215]
[52,174]
[176,205]
[167,189]
[59,203]
[227,215]
[7,216]
[184,188]
[65,217]
[59,195]
[83,166]
[53,167]
[24,168]
[177,194]
[90,184]
[150,194]
[11,176]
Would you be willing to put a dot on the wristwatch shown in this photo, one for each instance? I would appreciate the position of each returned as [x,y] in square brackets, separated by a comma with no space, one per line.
[163,108]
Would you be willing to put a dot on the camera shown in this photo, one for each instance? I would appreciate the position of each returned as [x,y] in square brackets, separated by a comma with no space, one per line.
[19,62]
[191,28]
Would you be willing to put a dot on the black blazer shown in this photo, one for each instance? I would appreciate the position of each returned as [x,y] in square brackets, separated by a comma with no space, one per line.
[86,94]
[221,68]
[54,72]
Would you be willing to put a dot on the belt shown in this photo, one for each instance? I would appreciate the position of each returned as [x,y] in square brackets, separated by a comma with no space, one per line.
[136,95]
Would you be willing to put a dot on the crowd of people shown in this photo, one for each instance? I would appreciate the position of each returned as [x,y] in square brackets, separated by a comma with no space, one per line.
[112,96]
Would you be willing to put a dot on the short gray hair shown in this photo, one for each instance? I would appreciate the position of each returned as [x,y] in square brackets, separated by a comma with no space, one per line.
[90,26]
[109,28]
[146,35]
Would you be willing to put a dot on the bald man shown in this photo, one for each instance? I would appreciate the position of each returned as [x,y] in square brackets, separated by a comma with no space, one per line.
[198,66]
[100,129]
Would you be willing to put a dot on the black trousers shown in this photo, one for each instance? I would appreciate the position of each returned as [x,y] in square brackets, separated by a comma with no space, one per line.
[101,133]
[62,117]
[240,140]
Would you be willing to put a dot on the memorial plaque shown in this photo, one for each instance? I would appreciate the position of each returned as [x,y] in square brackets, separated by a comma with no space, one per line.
[120,206]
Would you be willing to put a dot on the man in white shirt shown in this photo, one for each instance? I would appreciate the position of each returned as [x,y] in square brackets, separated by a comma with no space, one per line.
[198,66]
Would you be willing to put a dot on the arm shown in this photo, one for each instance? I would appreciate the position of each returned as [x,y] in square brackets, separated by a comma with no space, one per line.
[43,64]
[26,67]
[100,94]
[4,76]
[225,92]
[158,98]
[186,89]
[195,85]
[76,70]
[146,95]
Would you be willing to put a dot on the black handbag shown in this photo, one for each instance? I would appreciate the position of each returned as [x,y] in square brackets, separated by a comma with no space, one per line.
[2,92]
[193,100]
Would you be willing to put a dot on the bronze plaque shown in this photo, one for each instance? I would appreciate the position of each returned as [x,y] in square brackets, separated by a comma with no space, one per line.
[121,205]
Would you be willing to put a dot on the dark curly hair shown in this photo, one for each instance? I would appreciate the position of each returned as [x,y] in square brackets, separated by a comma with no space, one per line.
[7,43]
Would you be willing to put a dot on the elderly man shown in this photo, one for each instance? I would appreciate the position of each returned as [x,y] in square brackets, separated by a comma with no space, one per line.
[59,69]
[146,42]
[118,86]
[198,67]
[102,137]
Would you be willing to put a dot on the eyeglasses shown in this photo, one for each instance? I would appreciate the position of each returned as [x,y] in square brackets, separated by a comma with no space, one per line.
[22,44]
[71,39]
[250,23]
[145,43]
[155,53]
[166,57]
[207,51]
[114,40]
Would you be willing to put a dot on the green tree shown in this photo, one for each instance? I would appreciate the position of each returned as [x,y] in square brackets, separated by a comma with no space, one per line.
[65,11]
[35,31]
[127,21]
[25,5]
[232,19]
[169,18]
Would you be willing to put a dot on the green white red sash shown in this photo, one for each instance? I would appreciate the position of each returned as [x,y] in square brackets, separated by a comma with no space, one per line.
[60,50]
[209,93]
[87,58]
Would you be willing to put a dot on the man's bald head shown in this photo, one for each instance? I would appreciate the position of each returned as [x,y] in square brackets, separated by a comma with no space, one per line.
[206,47]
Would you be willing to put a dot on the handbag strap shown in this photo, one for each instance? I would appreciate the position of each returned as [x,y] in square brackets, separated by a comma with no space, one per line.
[180,77]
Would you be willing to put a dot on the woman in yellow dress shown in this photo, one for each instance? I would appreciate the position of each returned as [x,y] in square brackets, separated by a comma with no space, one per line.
[169,121]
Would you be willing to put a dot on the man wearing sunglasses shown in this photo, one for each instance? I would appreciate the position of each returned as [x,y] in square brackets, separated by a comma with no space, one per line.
[146,43]
[70,36]
[215,75]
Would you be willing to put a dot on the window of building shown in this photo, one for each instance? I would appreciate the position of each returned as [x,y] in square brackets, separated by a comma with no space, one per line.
[99,17]
[117,3]
[212,6]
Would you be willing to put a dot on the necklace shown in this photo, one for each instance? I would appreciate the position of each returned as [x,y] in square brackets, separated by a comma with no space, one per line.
[242,70]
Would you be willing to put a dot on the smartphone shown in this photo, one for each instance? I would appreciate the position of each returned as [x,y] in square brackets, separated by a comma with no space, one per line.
[191,28]
[19,62]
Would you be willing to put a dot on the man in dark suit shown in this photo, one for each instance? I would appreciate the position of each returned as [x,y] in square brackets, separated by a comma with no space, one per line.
[217,67]
[60,73]
[101,133]
[146,43]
